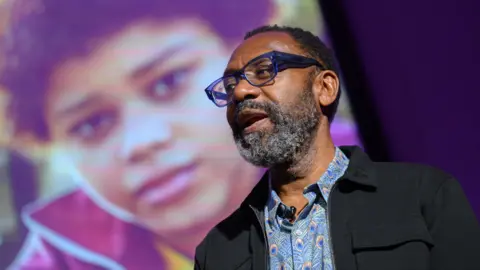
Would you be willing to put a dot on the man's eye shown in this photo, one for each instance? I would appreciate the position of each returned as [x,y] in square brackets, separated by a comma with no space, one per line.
[229,84]
[264,71]
[230,87]
[168,85]
[95,127]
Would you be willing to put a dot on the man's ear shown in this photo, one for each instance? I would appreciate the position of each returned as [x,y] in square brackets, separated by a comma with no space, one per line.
[326,87]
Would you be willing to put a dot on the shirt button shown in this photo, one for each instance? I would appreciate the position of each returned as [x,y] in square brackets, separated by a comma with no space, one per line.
[298,232]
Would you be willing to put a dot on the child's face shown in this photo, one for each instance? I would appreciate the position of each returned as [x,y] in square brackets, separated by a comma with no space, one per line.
[133,118]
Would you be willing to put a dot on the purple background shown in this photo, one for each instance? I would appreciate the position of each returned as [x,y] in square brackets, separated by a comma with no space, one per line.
[421,63]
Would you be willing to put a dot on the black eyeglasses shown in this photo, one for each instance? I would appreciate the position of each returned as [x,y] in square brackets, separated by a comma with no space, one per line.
[257,72]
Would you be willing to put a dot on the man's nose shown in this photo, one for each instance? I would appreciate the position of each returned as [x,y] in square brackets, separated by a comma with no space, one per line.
[244,91]
[144,137]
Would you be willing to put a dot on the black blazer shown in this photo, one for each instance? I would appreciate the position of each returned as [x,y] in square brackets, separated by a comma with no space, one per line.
[383,216]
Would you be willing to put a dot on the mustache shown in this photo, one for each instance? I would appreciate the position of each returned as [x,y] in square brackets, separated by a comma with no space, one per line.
[268,107]
[271,109]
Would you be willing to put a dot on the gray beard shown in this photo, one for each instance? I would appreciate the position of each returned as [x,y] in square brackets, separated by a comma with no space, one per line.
[293,131]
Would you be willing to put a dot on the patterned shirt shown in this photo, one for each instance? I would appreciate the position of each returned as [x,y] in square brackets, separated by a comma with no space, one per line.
[305,243]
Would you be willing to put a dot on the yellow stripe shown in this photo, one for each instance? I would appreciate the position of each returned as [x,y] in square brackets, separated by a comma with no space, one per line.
[174,260]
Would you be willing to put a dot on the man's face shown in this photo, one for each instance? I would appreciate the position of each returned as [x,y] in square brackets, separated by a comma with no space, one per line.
[272,124]
[132,118]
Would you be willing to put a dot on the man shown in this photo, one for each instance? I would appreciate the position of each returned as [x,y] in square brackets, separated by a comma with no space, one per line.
[320,206]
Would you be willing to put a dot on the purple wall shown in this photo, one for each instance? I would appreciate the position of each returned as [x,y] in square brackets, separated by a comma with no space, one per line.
[422,63]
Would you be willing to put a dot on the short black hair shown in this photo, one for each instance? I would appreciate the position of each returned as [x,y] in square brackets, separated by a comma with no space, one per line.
[43,33]
[313,47]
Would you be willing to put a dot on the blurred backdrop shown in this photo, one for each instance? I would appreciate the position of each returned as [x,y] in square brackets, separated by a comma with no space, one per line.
[111,155]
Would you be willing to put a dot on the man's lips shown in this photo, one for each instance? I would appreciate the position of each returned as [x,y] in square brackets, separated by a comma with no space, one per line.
[247,118]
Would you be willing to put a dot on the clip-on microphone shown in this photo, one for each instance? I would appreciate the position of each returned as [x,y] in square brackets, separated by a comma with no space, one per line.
[287,212]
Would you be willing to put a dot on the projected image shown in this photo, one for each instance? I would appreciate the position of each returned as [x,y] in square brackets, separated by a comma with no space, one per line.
[129,164]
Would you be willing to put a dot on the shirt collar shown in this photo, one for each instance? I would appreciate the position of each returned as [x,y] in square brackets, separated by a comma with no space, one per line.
[334,171]
[360,170]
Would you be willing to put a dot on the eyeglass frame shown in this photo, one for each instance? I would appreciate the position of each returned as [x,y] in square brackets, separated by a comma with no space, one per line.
[280,60]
